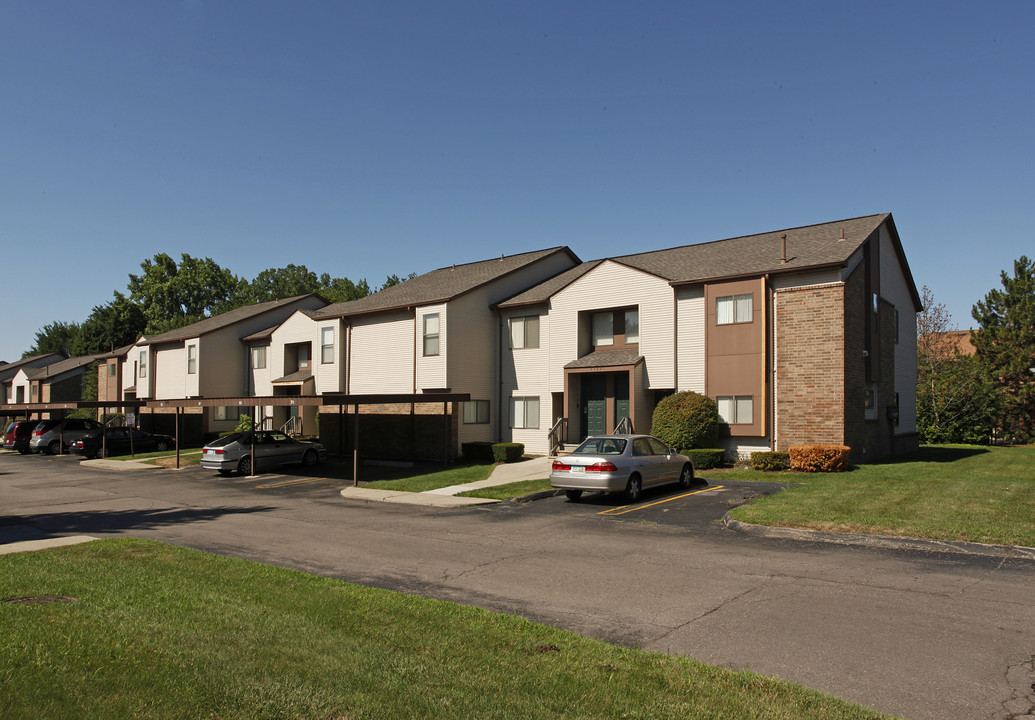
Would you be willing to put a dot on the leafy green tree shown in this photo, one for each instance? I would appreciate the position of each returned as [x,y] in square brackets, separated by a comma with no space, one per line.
[56,337]
[342,289]
[289,281]
[394,279]
[1005,341]
[175,294]
[120,322]
[686,420]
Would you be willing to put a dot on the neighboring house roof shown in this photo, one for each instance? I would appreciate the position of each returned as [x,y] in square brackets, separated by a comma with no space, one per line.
[118,352]
[11,369]
[812,246]
[261,335]
[606,358]
[218,322]
[440,285]
[300,376]
[59,368]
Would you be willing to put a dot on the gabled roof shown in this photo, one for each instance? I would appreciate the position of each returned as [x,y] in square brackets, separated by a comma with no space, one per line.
[11,369]
[622,357]
[218,322]
[440,285]
[810,247]
[118,352]
[58,368]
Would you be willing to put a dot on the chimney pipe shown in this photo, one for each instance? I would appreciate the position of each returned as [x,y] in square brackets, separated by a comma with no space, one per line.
[783,249]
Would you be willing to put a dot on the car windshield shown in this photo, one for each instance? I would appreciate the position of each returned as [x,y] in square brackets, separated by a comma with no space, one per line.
[227,439]
[601,446]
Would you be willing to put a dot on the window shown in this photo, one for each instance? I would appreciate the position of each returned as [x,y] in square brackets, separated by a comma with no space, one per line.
[476,412]
[111,369]
[431,335]
[33,391]
[303,356]
[192,359]
[258,358]
[733,309]
[524,332]
[327,345]
[603,329]
[226,413]
[632,326]
[524,412]
[143,363]
[735,409]
[870,403]
[896,326]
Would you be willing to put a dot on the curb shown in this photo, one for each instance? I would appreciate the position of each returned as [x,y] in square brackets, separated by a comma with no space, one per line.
[412,498]
[880,541]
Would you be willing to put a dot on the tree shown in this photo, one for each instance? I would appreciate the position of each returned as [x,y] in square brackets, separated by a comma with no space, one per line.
[342,289]
[120,322]
[394,279]
[56,337]
[276,283]
[173,295]
[686,421]
[1005,341]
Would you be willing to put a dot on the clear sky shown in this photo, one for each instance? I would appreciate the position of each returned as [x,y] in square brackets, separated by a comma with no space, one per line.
[369,138]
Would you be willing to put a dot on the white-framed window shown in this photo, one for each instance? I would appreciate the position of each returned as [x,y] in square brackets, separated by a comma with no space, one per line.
[326,345]
[258,358]
[111,369]
[303,356]
[870,403]
[476,412]
[524,412]
[632,326]
[524,332]
[603,329]
[226,413]
[143,363]
[192,359]
[431,335]
[731,309]
[735,409]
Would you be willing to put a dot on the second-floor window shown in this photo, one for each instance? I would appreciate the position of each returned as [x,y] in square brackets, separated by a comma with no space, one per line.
[431,335]
[258,358]
[303,356]
[192,359]
[524,332]
[327,345]
[621,327]
[143,363]
[732,309]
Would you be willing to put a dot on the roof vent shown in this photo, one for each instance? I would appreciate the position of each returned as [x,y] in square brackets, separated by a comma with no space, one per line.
[842,238]
[501,257]
[783,249]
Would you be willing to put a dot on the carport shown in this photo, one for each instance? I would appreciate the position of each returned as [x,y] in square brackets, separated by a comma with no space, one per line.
[27,409]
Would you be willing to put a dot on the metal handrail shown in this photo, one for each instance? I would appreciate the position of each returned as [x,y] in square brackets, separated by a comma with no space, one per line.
[292,422]
[624,427]
[555,438]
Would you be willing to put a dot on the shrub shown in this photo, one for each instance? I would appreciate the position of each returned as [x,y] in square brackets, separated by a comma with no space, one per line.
[686,420]
[819,458]
[478,452]
[507,452]
[770,461]
[244,423]
[707,459]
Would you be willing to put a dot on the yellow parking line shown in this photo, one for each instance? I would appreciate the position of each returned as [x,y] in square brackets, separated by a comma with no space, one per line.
[288,483]
[630,508]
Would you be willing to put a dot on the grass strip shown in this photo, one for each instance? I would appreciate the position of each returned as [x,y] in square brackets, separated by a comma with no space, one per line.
[510,490]
[456,475]
[943,492]
[160,631]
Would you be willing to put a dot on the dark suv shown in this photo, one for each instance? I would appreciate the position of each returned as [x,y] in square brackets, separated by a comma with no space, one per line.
[52,436]
[17,435]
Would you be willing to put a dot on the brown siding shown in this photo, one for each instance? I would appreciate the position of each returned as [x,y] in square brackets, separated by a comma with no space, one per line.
[735,363]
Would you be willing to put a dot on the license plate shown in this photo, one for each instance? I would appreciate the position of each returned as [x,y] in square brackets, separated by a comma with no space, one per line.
[577,469]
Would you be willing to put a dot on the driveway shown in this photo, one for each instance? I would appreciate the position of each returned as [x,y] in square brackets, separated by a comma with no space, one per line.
[922,635]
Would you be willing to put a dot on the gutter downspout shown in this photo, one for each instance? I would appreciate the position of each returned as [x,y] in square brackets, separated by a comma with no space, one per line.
[499,376]
[771,311]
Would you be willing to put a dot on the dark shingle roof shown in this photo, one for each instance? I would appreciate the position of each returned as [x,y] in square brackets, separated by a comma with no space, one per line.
[220,321]
[606,358]
[63,366]
[439,285]
[811,246]
[299,376]
[11,369]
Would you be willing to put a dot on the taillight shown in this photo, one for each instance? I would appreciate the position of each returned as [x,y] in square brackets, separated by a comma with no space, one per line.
[37,432]
[218,452]
[601,467]
[558,465]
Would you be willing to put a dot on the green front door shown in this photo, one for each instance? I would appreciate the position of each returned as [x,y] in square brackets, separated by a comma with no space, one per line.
[594,405]
[621,396]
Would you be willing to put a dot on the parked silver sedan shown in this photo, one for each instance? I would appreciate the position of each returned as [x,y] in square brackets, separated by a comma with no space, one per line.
[234,452]
[620,463]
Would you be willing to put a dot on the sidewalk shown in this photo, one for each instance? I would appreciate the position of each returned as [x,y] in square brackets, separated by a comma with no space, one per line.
[503,474]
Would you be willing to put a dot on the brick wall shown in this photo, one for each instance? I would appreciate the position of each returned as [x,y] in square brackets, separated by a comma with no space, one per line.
[810,365]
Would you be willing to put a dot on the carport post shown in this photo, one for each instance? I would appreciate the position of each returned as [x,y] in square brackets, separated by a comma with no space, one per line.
[341,433]
[449,431]
[177,437]
[355,448]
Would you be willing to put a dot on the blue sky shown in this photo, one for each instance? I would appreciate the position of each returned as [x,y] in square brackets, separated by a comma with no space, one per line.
[364,139]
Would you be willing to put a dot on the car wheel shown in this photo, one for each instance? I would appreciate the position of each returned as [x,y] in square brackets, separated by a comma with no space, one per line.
[162,446]
[54,448]
[310,458]
[634,489]
[686,476]
[573,495]
[245,465]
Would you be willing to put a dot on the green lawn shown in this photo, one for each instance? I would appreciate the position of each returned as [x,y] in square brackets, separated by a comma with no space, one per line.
[456,475]
[944,492]
[165,632]
[510,490]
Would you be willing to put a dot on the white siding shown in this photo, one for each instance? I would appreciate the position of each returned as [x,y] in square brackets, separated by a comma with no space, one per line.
[894,287]
[525,373]
[782,281]
[191,381]
[431,370]
[299,328]
[261,378]
[612,285]
[382,354]
[169,365]
[329,375]
[690,336]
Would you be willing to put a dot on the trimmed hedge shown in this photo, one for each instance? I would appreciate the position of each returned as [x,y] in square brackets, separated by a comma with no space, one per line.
[770,461]
[507,452]
[685,421]
[478,452]
[707,459]
[819,458]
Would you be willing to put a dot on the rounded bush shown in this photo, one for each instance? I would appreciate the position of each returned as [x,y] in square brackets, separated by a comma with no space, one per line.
[687,420]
